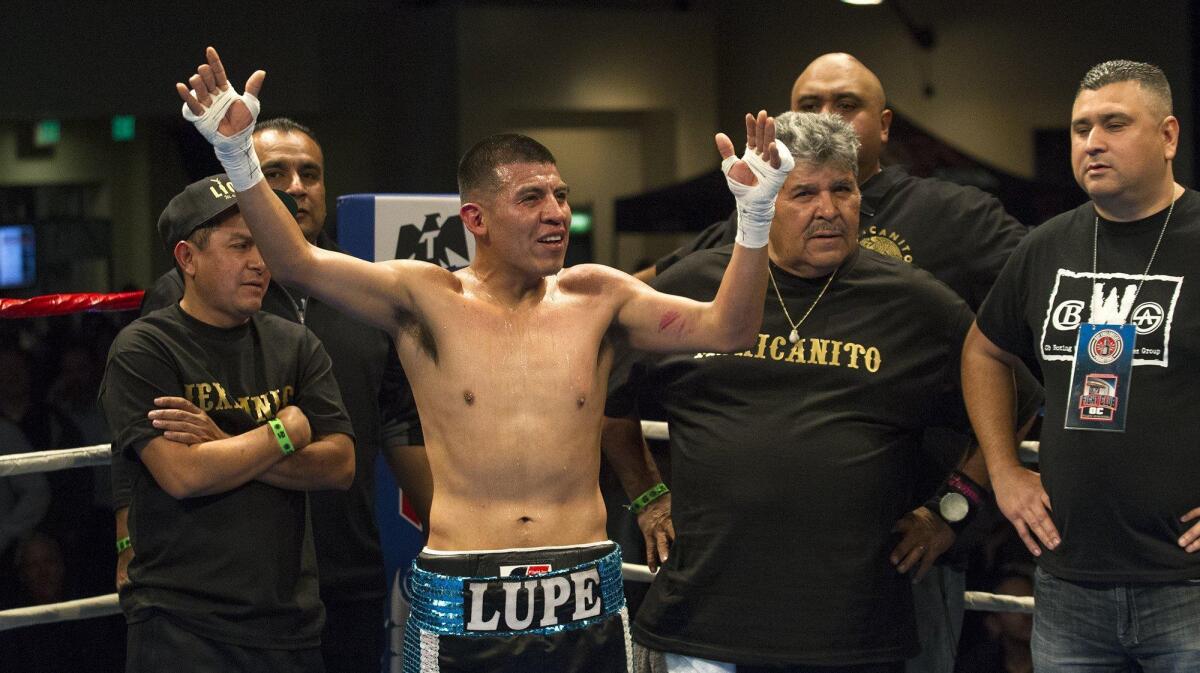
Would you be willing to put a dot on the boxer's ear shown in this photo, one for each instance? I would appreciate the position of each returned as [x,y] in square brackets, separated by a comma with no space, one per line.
[472,218]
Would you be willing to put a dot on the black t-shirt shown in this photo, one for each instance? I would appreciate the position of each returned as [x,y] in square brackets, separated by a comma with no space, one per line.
[1116,497]
[790,464]
[237,566]
[380,403]
[959,234]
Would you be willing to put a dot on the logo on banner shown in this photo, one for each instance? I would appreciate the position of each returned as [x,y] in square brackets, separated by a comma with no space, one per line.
[444,243]
[1105,347]
[1079,297]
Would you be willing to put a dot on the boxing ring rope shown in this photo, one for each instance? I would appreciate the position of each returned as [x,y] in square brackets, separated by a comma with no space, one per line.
[103,606]
[48,461]
[658,430]
[63,304]
[101,454]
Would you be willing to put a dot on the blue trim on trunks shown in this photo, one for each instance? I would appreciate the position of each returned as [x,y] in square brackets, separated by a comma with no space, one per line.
[439,601]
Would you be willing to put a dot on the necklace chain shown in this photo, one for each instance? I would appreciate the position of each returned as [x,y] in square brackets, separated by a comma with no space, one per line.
[1095,247]
[795,334]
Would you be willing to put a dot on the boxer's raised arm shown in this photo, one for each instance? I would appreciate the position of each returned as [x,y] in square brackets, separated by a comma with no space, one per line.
[375,293]
[660,322]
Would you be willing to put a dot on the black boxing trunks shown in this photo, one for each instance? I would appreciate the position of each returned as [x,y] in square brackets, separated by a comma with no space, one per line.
[552,609]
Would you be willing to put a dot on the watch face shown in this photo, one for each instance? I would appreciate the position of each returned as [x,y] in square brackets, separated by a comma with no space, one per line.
[953,507]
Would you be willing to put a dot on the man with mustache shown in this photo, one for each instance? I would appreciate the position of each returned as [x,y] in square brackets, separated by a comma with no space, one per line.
[959,234]
[792,461]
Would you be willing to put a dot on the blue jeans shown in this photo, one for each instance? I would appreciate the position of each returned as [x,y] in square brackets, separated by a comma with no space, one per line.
[1095,627]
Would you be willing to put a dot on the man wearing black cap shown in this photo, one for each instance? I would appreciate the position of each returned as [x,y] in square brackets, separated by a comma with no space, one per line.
[377,397]
[232,415]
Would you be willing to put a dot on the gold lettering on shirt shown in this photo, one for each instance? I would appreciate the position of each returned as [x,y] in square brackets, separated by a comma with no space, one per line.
[812,351]
[223,402]
[885,242]
[262,407]
[762,344]
[818,350]
[777,343]
[202,401]
[212,396]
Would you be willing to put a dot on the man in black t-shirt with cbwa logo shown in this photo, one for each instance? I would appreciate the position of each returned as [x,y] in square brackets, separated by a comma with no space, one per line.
[794,463]
[1103,298]
[232,414]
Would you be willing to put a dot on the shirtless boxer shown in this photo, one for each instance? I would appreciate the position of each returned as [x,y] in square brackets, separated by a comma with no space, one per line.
[509,360]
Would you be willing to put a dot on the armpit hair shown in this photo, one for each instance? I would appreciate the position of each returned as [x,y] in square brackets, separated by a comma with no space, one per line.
[416,328]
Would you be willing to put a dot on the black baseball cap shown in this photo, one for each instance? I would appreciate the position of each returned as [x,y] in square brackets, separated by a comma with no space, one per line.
[199,204]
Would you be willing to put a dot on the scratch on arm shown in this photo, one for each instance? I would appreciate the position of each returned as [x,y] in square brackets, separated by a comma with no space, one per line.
[672,321]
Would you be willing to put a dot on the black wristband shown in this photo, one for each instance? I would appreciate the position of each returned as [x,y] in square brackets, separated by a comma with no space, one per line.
[958,501]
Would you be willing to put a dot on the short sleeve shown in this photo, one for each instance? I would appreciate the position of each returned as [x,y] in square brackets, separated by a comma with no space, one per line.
[995,237]
[1002,316]
[138,371]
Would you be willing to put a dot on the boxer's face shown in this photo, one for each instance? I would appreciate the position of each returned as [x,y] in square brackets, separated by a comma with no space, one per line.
[528,218]
[816,220]
[292,162]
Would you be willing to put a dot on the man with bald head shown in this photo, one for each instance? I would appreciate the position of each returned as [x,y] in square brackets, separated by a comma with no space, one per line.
[840,84]
[960,234]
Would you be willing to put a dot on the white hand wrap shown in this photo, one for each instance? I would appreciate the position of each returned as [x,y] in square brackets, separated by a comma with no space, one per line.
[756,205]
[235,152]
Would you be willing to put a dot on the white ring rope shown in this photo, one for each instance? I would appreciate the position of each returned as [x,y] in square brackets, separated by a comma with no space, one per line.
[84,608]
[981,601]
[59,459]
[102,606]
[658,430]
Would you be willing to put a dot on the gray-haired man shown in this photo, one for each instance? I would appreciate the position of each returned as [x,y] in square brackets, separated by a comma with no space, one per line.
[792,462]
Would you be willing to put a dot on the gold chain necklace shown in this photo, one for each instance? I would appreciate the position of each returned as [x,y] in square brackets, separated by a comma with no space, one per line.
[795,335]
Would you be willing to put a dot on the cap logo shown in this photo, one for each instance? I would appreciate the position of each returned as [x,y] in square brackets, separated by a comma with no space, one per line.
[221,190]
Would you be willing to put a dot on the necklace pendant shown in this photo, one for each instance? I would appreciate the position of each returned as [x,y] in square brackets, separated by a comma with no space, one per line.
[794,336]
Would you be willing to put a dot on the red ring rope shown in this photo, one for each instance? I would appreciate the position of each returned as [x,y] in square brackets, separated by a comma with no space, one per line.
[62,304]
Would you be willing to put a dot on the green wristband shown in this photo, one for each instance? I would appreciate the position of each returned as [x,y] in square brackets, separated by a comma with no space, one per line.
[653,493]
[281,436]
[123,544]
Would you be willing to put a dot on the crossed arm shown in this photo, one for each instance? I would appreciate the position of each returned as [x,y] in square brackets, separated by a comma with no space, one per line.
[194,457]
